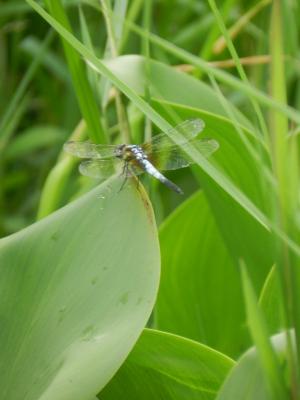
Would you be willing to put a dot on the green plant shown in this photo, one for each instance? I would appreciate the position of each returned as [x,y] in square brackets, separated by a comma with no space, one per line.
[82,315]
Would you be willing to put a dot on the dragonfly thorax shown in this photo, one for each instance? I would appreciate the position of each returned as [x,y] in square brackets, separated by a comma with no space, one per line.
[130,152]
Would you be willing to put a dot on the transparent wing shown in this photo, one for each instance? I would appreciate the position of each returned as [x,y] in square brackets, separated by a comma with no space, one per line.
[174,157]
[89,150]
[187,130]
[99,168]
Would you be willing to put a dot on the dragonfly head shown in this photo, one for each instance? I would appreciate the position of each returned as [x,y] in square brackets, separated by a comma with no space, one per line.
[119,151]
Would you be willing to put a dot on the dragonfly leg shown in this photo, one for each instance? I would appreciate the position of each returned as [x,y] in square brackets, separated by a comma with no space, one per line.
[125,168]
[125,173]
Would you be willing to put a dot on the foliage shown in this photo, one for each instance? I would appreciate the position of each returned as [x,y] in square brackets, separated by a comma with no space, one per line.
[81,313]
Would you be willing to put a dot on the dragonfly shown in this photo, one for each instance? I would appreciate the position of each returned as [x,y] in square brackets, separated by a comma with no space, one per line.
[158,154]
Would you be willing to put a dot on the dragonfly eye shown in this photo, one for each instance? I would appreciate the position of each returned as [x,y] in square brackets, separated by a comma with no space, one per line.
[119,151]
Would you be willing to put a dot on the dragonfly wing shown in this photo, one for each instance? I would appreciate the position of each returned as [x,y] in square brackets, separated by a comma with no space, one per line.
[89,150]
[175,157]
[98,168]
[187,131]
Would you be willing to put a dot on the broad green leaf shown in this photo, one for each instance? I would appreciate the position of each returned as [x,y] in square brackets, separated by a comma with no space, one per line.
[247,379]
[187,91]
[244,237]
[168,367]
[77,288]
[254,244]
[200,285]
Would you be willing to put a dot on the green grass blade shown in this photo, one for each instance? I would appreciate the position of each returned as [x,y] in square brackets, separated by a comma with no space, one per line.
[85,95]
[25,82]
[5,137]
[119,14]
[240,24]
[207,49]
[261,339]
[114,26]
[238,65]
[133,12]
[147,14]
[271,303]
[278,122]
[87,41]
[32,45]
[285,163]
[12,124]
[220,75]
